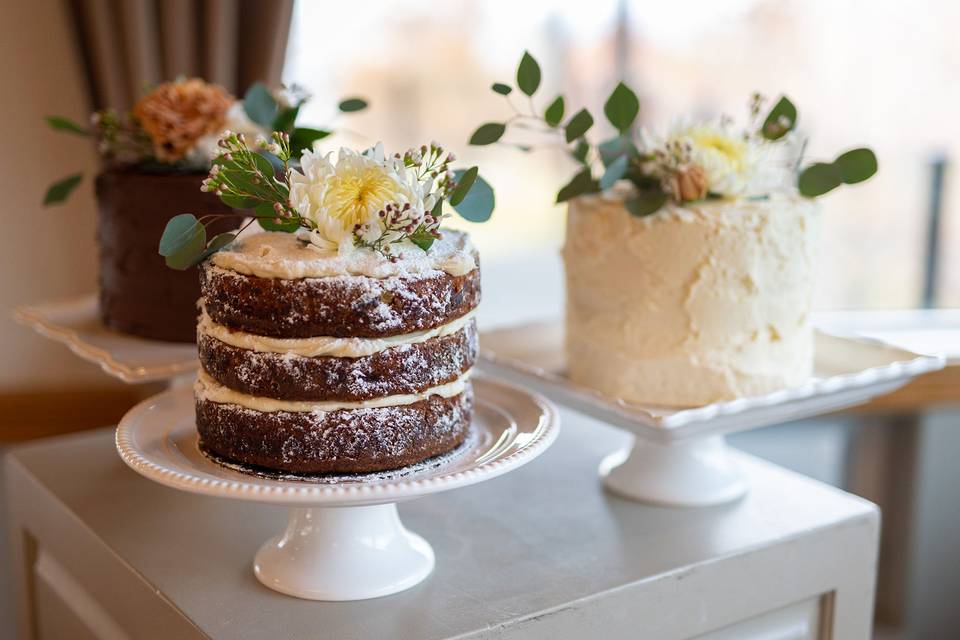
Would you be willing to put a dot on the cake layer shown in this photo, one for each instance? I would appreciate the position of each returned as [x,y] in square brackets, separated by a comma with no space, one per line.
[407,368]
[337,306]
[358,440]
[690,305]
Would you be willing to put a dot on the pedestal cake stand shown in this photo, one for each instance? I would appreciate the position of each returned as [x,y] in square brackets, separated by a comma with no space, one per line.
[76,323]
[679,456]
[344,539]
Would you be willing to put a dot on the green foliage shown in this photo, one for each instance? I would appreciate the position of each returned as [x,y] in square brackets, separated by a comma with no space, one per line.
[622,107]
[613,148]
[580,151]
[478,204]
[488,133]
[554,113]
[856,165]
[528,74]
[60,190]
[580,184]
[303,138]
[465,181]
[819,178]
[851,167]
[502,89]
[260,105]
[422,238]
[614,172]
[351,105]
[286,118]
[578,125]
[647,201]
[268,220]
[64,124]
[183,242]
[219,242]
[780,121]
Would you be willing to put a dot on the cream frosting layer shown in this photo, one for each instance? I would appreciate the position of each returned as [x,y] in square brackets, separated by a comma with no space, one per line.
[284,256]
[693,304]
[323,345]
[206,388]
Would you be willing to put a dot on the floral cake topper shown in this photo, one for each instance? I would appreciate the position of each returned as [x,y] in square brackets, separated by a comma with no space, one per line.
[176,126]
[355,201]
[694,160]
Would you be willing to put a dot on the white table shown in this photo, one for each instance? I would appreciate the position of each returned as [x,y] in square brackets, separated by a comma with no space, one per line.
[540,553]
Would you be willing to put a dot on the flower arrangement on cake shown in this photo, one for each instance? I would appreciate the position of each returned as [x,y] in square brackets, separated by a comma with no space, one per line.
[340,339]
[153,159]
[690,252]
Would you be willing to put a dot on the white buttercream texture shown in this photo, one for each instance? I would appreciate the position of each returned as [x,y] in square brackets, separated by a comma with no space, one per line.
[206,388]
[284,256]
[690,305]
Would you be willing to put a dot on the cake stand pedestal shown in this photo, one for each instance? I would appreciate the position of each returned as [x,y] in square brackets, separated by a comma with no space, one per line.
[344,553]
[693,473]
[344,539]
[679,456]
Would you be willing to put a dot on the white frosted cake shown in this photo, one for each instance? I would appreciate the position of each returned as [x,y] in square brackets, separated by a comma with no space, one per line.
[694,304]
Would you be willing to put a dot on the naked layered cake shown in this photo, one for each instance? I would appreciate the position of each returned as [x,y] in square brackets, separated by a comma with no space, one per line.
[342,338]
[316,363]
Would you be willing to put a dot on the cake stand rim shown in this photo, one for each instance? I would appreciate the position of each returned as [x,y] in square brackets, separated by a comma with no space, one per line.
[307,494]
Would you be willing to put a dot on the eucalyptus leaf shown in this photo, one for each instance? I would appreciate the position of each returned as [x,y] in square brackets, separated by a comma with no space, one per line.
[554,113]
[488,133]
[580,184]
[781,119]
[646,202]
[351,105]
[183,241]
[578,125]
[613,148]
[260,105]
[502,89]
[65,124]
[622,107]
[219,242]
[614,172]
[818,179]
[528,74]
[267,218]
[61,190]
[856,165]
[303,138]
[464,182]
[478,204]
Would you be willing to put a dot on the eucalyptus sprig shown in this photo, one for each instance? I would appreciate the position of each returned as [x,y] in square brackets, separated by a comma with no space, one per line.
[658,175]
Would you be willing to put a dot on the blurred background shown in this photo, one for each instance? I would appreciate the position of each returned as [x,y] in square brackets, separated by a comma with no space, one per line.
[880,73]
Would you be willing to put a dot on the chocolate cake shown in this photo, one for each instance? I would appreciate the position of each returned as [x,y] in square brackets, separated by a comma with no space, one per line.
[344,363]
[139,294]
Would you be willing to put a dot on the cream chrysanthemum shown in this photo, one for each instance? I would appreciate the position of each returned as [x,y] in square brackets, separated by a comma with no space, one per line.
[343,197]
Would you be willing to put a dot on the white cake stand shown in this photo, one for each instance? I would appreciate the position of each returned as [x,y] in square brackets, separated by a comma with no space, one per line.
[344,539]
[76,323]
[679,457]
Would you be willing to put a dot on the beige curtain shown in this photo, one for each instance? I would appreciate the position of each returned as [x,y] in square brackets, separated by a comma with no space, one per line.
[128,45]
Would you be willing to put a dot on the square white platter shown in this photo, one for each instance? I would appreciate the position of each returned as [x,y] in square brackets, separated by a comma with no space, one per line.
[847,371]
[76,323]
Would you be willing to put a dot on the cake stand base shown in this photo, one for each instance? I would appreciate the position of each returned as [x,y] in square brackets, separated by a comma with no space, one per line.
[344,553]
[685,473]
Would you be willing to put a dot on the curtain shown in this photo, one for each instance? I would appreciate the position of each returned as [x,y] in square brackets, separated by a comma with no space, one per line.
[129,45]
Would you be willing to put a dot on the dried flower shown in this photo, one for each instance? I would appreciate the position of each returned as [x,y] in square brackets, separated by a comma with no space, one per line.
[688,184]
[177,114]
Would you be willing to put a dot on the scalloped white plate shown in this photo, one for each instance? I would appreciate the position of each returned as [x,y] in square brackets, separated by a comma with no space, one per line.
[847,371]
[511,427]
[76,323]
